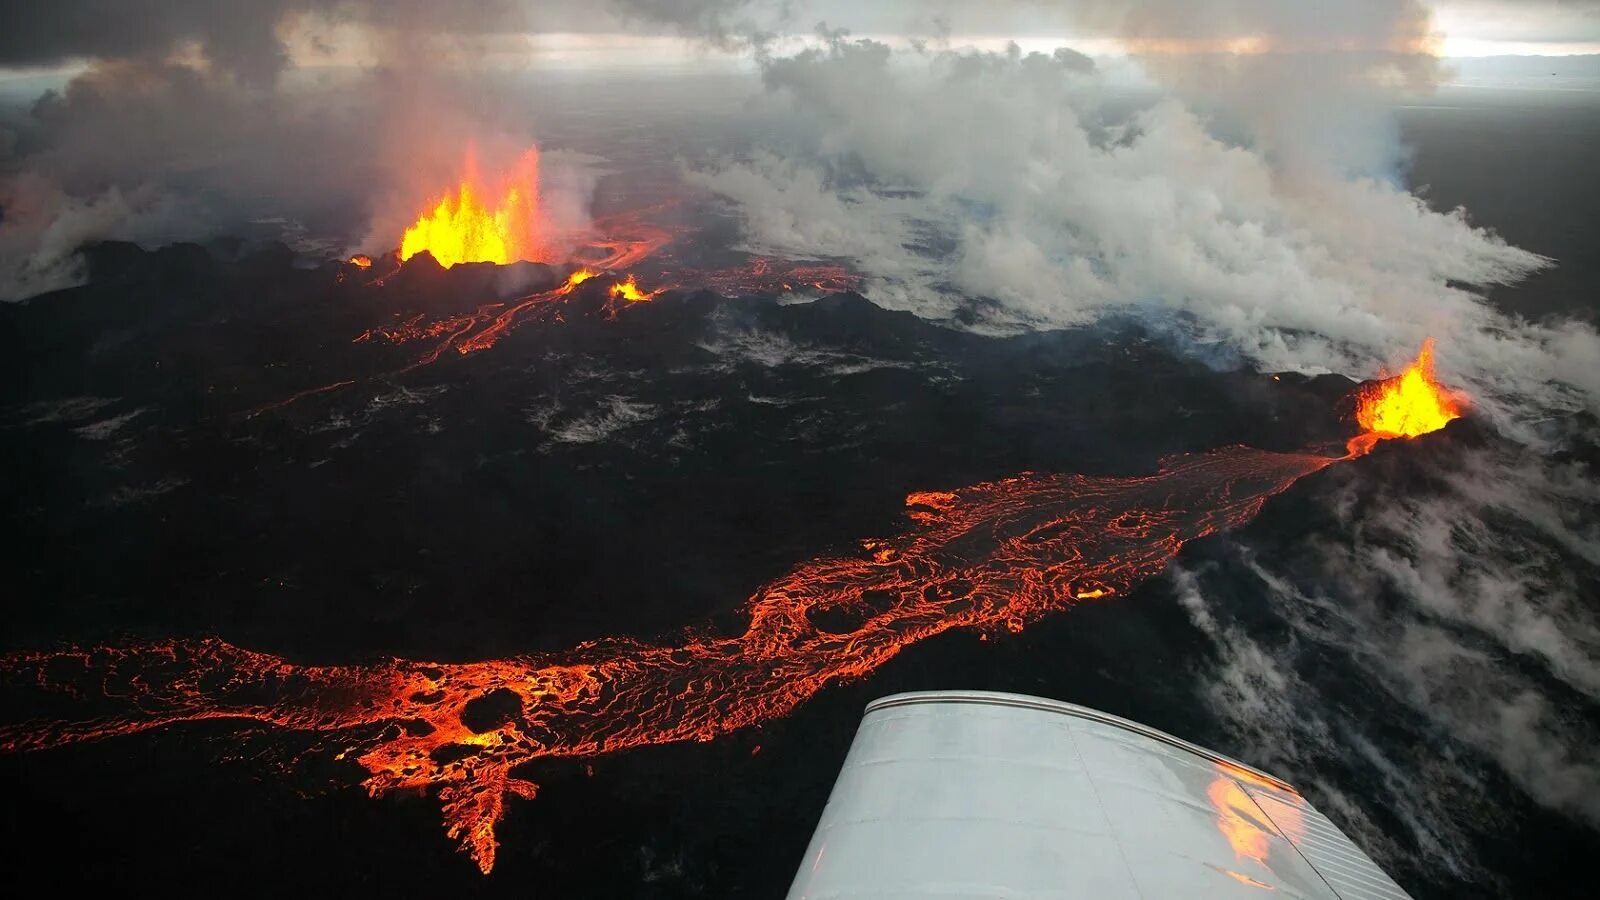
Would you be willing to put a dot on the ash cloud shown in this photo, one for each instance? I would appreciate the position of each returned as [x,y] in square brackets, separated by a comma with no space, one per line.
[157,152]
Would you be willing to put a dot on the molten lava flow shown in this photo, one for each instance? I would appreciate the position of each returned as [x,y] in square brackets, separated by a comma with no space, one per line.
[1409,404]
[502,323]
[996,555]
[478,225]
[461,229]
[477,330]
[624,240]
[361,261]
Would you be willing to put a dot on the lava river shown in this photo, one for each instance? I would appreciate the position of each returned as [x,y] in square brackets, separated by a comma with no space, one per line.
[1001,554]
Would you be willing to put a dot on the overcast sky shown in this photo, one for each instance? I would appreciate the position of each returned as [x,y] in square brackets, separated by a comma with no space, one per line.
[263,35]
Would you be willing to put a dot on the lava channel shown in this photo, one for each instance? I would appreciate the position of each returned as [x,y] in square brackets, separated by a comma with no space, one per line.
[1001,554]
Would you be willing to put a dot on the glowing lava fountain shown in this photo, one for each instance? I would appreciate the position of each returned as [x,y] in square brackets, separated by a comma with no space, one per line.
[1406,405]
[478,223]
[628,290]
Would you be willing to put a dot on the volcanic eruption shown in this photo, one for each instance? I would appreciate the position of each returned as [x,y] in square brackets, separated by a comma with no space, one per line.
[483,222]
[1405,405]
[996,555]
[628,289]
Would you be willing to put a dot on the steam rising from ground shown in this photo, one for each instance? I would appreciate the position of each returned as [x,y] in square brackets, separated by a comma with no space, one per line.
[1466,607]
[997,176]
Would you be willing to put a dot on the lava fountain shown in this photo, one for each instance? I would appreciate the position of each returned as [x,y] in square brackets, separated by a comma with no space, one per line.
[479,222]
[1405,406]
[628,290]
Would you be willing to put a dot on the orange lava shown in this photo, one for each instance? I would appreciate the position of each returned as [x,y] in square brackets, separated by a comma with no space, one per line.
[1409,404]
[624,240]
[477,223]
[461,229]
[996,555]
[628,290]
[361,261]
[485,326]
[477,330]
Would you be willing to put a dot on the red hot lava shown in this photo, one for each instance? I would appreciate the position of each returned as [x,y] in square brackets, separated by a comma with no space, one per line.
[1000,554]
[501,223]
[618,243]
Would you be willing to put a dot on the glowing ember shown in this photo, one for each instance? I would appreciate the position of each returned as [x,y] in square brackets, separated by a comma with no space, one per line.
[476,224]
[1409,404]
[997,555]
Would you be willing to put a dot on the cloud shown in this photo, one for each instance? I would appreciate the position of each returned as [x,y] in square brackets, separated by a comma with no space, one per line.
[248,39]
[999,176]
[240,37]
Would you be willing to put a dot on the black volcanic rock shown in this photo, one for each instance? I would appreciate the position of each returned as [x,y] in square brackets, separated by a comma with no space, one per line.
[849,319]
[230,444]
[423,275]
[113,261]
[492,710]
[251,417]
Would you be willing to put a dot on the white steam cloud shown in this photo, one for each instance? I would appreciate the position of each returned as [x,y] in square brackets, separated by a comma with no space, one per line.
[1260,205]
[994,176]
